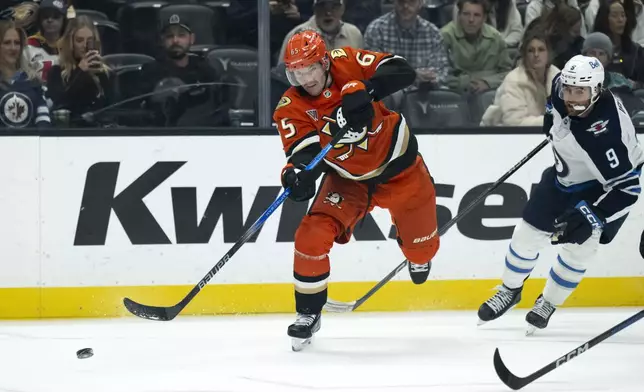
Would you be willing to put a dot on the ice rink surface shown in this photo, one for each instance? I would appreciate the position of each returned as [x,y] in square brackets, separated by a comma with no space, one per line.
[374,352]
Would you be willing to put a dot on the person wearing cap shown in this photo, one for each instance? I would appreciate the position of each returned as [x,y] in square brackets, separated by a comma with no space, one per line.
[598,45]
[177,37]
[42,50]
[327,21]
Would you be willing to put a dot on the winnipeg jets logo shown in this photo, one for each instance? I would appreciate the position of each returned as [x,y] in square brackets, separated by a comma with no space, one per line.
[599,127]
[16,110]
[560,165]
[334,199]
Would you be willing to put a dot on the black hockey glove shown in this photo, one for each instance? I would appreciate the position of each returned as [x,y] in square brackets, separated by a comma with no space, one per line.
[357,106]
[301,182]
[577,224]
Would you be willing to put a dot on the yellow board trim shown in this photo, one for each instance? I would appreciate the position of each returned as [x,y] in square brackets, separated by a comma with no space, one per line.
[65,302]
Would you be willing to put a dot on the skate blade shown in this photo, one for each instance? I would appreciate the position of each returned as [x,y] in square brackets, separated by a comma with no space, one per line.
[480,322]
[297,344]
[530,330]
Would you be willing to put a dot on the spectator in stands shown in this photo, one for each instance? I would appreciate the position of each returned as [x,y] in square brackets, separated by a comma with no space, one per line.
[242,26]
[327,20]
[403,32]
[505,17]
[521,98]
[598,45]
[562,25]
[80,82]
[357,12]
[638,32]
[43,46]
[22,103]
[537,8]
[477,50]
[616,20]
[178,65]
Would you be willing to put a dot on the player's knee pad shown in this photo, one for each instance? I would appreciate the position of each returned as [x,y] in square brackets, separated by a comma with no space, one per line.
[568,270]
[422,252]
[316,234]
[523,253]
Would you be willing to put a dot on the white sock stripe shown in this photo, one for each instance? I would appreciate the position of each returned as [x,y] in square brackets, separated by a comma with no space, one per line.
[309,257]
[311,285]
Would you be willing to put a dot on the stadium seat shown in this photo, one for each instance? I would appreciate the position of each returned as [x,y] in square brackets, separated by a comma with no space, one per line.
[92,14]
[124,85]
[139,27]
[110,34]
[126,60]
[237,66]
[522,5]
[479,104]
[435,109]
[639,93]
[220,10]
[199,17]
[446,14]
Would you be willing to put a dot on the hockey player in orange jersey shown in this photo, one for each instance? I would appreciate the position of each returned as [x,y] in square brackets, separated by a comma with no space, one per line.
[376,164]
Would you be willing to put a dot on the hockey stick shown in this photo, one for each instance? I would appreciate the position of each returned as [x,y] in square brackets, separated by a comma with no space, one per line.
[343,307]
[168,313]
[516,383]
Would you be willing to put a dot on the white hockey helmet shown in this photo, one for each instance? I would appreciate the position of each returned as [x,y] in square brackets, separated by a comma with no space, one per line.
[583,71]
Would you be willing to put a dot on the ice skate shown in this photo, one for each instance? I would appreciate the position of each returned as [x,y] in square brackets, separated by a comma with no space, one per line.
[303,329]
[495,307]
[539,316]
[419,272]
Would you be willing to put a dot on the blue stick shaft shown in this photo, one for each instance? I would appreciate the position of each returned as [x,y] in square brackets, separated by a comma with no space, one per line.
[282,197]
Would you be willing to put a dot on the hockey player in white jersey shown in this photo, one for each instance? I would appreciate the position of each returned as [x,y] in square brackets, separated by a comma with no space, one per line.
[583,200]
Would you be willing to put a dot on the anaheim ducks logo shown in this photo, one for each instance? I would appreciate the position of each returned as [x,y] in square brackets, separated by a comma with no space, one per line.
[24,14]
[16,110]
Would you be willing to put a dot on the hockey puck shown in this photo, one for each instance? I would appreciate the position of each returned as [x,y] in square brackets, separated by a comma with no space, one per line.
[84,353]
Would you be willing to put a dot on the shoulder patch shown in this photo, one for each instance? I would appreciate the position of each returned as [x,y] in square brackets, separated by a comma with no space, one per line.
[338,53]
[285,101]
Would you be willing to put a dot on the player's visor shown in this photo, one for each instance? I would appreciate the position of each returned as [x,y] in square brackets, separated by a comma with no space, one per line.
[305,75]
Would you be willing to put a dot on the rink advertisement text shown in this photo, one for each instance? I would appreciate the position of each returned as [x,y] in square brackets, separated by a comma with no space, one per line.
[156,211]
[225,207]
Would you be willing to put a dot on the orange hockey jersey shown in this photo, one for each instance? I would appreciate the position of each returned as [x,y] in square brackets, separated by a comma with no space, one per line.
[303,120]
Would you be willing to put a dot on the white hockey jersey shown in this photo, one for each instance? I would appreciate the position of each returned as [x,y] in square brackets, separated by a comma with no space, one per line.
[602,147]
[40,55]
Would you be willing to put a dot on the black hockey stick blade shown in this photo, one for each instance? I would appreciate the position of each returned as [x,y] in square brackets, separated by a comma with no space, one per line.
[151,312]
[342,307]
[514,382]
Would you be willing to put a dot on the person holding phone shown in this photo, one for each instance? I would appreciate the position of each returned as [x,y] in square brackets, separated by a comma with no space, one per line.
[80,82]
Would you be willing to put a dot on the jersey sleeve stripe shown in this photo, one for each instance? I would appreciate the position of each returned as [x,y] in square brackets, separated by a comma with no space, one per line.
[387,59]
[635,173]
[310,138]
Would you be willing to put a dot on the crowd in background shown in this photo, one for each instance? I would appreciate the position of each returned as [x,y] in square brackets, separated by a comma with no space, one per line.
[112,63]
